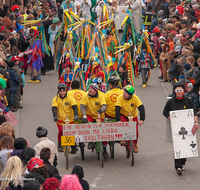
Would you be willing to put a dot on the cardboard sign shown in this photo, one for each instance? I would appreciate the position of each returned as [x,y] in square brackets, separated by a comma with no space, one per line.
[67,140]
[184,142]
[101,131]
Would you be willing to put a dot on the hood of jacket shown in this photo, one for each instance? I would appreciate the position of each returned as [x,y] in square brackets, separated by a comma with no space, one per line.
[11,71]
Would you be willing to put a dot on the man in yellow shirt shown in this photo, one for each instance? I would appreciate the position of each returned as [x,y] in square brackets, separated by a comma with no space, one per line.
[63,107]
[93,105]
[111,96]
[77,95]
[127,105]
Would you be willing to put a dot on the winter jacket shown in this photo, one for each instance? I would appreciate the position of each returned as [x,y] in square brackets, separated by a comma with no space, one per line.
[51,169]
[193,97]
[197,47]
[163,56]
[189,74]
[17,69]
[14,79]
[195,73]
[165,8]
[173,70]
[45,142]
[78,170]
[154,23]
[197,83]
[174,104]
[173,31]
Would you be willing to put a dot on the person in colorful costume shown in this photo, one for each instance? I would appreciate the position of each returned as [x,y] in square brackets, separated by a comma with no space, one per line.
[35,58]
[67,75]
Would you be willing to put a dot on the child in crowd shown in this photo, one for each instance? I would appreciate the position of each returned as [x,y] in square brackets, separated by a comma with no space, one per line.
[145,65]
[190,94]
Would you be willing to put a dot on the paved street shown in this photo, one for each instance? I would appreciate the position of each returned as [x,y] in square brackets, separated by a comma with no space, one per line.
[154,167]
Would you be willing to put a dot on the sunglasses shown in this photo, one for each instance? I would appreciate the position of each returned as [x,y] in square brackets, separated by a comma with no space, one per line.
[177,90]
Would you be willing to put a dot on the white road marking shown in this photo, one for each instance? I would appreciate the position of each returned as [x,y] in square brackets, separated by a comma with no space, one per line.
[96,180]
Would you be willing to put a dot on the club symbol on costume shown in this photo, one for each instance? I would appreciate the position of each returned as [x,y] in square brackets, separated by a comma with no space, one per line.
[193,144]
[178,153]
[183,132]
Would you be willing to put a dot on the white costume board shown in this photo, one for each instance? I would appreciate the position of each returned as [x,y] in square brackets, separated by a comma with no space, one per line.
[184,142]
[95,132]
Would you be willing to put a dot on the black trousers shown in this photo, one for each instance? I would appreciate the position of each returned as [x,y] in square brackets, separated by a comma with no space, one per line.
[179,163]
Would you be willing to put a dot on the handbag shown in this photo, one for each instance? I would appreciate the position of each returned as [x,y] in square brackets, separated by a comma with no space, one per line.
[11,118]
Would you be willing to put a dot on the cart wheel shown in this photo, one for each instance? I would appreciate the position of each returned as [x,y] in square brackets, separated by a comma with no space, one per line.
[131,153]
[82,150]
[66,155]
[111,149]
[101,154]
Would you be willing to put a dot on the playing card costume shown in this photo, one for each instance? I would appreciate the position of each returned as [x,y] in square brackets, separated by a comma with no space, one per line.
[178,103]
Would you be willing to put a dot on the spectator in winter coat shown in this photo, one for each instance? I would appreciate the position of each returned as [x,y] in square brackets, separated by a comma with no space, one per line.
[190,94]
[16,59]
[173,70]
[197,79]
[154,22]
[170,29]
[45,155]
[165,59]
[15,84]
[78,170]
[160,23]
[163,6]
[41,133]
[19,146]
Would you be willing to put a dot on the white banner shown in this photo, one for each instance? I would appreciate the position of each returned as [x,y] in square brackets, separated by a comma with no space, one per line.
[185,143]
[101,131]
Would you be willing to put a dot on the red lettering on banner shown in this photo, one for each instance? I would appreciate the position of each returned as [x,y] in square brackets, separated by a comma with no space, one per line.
[83,132]
[69,127]
[92,138]
[69,133]
[99,137]
[83,126]
[94,125]
[78,127]
[107,137]
[96,131]
[100,125]
[110,130]
[89,126]
[116,136]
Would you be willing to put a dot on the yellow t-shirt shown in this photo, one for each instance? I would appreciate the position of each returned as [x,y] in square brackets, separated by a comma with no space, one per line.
[93,104]
[129,106]
[103,94]
[64,107]
[111,99]
[77,95]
